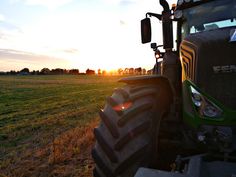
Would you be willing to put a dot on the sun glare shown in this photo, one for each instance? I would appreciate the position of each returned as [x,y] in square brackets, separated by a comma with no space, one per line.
[83,35]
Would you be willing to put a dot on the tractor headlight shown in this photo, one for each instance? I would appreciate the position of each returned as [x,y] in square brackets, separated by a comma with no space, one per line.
[204,106]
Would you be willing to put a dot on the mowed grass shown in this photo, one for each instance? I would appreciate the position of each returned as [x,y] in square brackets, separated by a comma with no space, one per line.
[46,123]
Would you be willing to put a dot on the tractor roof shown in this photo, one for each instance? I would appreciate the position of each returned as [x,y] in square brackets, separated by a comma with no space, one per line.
[184,4]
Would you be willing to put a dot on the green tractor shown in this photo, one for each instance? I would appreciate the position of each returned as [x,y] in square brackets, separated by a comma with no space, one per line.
[180,121]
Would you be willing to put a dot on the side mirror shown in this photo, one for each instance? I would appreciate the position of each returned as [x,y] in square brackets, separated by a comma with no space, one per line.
[154,46]
[146,30]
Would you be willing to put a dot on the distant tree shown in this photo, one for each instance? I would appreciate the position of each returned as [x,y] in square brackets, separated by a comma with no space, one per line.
[90,72]
[24,71]
[104,72]
[12,72]
[138,71]
[33,72]
[144,71]
[99,71]
[126,71]
[120,71]
[57,71]
[65,71]
[37,72]
[45,71]
[131,70]
[74,71]
[149,71]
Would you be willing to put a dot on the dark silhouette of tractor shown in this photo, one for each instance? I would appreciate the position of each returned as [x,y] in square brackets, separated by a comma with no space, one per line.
[180,121]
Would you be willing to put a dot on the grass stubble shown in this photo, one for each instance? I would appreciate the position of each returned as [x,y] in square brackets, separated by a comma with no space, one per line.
[47,122]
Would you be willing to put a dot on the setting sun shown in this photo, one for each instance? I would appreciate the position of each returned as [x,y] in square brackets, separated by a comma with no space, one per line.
[73,34]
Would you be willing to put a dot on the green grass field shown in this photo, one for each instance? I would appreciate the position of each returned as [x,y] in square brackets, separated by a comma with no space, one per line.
[46,123]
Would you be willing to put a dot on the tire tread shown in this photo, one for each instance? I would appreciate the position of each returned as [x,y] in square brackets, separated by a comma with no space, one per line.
[131,134]
[109,124]
[99,162]
[133,112]
[105,146]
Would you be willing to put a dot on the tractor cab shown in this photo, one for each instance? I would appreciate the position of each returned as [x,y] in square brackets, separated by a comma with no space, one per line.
[202,16]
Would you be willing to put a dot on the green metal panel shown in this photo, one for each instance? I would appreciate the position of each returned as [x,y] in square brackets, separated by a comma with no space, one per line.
[194,119]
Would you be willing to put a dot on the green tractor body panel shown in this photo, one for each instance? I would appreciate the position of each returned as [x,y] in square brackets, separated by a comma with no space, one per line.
[192,117]
[208,60]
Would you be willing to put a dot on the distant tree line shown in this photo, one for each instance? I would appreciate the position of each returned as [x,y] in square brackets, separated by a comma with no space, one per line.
[59,71]
[126,71]
[121,71]
[44,71]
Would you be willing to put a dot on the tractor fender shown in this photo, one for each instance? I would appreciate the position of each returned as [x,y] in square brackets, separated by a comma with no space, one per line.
[161,81]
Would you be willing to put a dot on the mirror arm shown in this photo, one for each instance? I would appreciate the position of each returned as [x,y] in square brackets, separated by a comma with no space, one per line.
[165,5]
[153,15]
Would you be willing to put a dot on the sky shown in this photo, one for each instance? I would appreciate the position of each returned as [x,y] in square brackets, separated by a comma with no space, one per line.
[78,34]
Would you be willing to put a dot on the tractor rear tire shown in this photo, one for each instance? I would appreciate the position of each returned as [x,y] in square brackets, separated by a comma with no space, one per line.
[126,138]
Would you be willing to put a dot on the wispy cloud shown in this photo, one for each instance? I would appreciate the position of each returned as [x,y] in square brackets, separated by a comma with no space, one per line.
[10,52]
[16,60]
[3,35]
[71,50]
[23,55]
[121,2]
[122,22]
[8,33]
[10,27]
[46,3]
[2,18]
[127,2]
[7,25]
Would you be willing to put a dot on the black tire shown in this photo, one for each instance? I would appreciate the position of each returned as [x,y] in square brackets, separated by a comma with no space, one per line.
[126,138]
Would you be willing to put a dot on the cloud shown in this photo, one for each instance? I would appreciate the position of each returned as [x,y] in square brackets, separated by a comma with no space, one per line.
[3,35]
[121,2]
[70,50]
[2,18]
[6,35]
[8,29]
[16,60]
[10,52]
[8,32]
[122,22]
[6,24]
[9,26]
[127,2]
[46,3]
